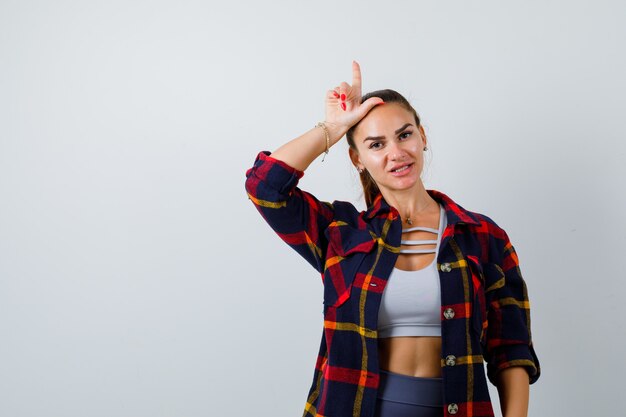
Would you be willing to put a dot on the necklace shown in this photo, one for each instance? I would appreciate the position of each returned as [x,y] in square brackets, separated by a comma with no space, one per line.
[408,219]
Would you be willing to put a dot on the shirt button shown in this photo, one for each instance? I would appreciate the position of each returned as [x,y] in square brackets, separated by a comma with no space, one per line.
[445,267]
[448,313]
[450,360]
[453,408]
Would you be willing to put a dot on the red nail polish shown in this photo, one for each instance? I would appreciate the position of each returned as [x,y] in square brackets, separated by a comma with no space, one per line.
[336,95]
[343,97]
[343,106]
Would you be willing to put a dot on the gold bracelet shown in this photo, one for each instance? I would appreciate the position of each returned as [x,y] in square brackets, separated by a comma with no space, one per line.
[323,126]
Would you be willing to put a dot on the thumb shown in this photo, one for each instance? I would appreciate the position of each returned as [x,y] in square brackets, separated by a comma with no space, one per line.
[368,105]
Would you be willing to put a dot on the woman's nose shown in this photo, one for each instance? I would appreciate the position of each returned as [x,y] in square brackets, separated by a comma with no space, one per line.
[396,152]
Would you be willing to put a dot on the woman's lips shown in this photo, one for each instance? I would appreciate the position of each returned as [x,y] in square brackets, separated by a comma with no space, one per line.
[405,171]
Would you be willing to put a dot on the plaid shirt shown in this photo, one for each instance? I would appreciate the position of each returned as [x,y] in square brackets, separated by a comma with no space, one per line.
[485,311]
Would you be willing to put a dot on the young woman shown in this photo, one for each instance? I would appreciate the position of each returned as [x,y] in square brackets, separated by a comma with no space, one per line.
[418,291]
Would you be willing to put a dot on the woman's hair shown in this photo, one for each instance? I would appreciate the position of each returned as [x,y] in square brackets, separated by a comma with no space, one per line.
[370,189]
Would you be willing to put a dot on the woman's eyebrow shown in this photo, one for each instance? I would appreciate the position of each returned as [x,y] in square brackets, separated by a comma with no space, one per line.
[382,137]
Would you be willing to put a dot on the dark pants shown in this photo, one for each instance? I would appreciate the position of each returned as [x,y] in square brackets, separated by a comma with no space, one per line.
[409,396]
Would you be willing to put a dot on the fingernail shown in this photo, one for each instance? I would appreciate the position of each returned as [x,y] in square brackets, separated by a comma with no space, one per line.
[343,106]
[336,95]
[343,97]
[382,102]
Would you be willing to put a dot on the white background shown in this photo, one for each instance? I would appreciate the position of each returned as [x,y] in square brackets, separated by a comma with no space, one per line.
[137,279]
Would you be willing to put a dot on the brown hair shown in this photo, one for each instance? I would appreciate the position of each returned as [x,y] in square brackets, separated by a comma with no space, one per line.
[370,189]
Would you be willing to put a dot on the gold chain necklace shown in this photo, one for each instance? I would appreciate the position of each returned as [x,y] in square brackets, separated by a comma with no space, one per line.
[408,219]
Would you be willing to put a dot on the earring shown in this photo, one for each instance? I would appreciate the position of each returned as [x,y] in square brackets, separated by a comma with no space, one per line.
[360,170]
[425,148]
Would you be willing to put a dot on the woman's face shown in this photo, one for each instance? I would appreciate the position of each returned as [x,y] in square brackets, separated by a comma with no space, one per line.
[387,139]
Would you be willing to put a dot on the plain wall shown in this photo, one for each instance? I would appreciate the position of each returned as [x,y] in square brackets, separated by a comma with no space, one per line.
[137,279]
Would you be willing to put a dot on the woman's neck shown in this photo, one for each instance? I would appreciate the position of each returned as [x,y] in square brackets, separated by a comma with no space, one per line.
[411,204]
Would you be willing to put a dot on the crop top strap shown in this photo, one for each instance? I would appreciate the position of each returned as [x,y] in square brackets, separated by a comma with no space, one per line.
[438,232]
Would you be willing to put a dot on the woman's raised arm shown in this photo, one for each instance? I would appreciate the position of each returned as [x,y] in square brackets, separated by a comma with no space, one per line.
[297,216]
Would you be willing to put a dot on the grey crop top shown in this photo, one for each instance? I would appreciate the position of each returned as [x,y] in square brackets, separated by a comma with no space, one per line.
[411,300]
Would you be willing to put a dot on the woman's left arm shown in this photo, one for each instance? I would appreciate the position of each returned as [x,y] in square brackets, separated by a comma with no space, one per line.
[512,364]
[513,391]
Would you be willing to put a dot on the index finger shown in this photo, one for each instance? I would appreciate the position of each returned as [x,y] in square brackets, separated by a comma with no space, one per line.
[356,76]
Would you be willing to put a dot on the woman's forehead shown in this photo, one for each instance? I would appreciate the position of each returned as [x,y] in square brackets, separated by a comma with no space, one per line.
[388,117]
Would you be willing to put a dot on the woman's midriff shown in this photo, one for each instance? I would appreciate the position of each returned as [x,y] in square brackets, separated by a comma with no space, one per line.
[411,355]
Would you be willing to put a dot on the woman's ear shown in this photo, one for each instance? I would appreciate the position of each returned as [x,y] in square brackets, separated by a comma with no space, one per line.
[421,129]
[354,157]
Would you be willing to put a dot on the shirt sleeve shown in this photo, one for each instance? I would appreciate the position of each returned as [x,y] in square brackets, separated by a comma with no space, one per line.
[509,341]
[297,216]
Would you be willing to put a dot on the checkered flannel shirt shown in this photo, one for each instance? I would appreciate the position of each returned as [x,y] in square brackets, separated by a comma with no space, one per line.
[485,311]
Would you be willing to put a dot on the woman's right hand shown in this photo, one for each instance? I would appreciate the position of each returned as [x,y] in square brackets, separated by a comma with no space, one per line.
[343,104]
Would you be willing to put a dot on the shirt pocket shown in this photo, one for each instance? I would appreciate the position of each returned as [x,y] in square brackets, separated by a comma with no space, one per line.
[478,299]
[347,248]
[493,278]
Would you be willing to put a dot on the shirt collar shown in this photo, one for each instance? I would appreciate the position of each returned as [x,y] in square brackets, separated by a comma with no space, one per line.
[454,212]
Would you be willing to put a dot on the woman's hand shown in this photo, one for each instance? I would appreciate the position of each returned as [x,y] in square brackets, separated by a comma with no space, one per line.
[343,104]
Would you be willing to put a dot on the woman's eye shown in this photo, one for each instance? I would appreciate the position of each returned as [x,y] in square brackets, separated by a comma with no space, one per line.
[373,144]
